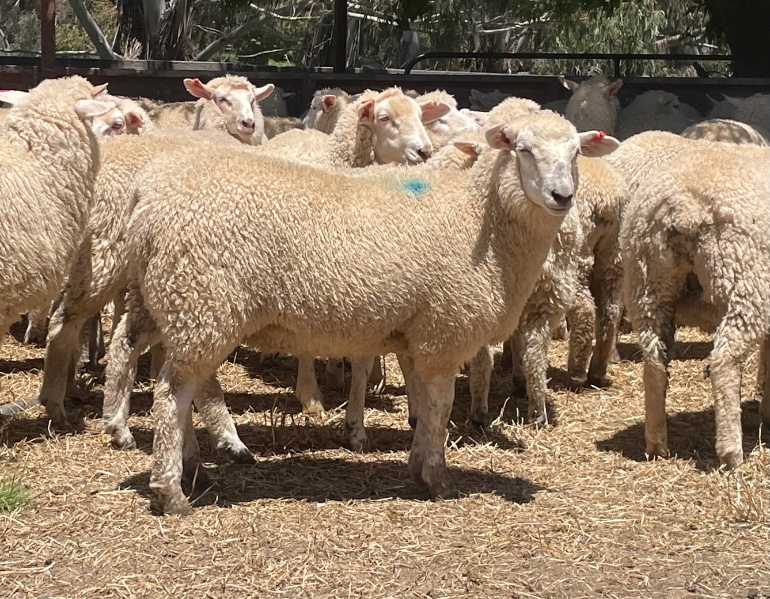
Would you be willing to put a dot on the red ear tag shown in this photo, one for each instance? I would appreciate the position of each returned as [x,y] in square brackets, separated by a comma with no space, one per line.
[599,136]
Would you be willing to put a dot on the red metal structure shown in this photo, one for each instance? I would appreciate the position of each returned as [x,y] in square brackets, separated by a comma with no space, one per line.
[47,38]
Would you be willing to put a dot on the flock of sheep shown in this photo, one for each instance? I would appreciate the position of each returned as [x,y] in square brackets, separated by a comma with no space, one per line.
[383,222]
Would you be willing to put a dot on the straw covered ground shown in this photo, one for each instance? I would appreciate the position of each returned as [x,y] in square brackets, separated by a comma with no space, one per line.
[570,511]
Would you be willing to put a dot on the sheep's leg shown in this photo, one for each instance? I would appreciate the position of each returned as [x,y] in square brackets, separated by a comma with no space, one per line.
[119,308]
[172,403]
[561,330]
[656,339]
[406,363]
[308,393]
[479,382]
[582,319]
[516,349]
[427,460]
[157,357]
[354,415]
[607,318]
[536,333]
[376,376]
[37,320]
[96,342]
[734,339]
[60,360]
[764,381]
[334,375]
[134,333]
[219,422]
[193,475]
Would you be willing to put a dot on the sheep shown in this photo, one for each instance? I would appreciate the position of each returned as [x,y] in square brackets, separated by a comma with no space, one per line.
[655,110]
[50,158]
[457,257]
[580,279]
[594,104]
[484,102]
[230,103]
[453,125]
[695,247]
[275,104]
[755,111]
[171,114]
[100,272]
[325,109]
[478,116]
[275,125]
[725,130]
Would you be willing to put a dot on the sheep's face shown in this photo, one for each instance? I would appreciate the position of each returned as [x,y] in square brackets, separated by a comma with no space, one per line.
[453,123]
[397,125]
[546,150]
[323,110]
[237,101]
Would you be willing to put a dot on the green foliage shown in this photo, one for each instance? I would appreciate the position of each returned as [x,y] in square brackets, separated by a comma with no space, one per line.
[13,497]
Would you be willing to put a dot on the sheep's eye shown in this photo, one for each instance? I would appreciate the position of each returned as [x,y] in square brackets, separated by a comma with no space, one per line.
[224,101]
[523,150]
[384,118]
[117,125]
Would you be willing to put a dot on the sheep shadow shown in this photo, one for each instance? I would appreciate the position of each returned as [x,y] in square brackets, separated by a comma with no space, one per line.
[322,480]
[691,435]
[681,350]
[25,365]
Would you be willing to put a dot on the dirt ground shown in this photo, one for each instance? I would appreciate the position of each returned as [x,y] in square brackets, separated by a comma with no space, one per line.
[570,511]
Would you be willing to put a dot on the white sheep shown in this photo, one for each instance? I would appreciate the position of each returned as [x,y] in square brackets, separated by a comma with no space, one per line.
[696,249]
[50,158]
[230,103]
[755,111]
[593,104]
[655,110]
[325,109]
[451,126]
[725,130]
[455,261]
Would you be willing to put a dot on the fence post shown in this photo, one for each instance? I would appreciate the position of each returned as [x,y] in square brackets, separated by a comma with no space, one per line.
[47,38]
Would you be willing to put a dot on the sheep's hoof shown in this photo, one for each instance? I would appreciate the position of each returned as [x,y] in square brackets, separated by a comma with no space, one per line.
[444,489]
[537,416]
[58,417]
[122,439]
[600,382]
[240,455]
[731,459]
[313,408]
[357,439]
[658,449]
[576,382]
[480,418]
[35,337]
[176,505]
[413,422]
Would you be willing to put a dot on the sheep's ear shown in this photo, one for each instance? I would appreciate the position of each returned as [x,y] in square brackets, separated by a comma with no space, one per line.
[501,137]
[98,90]
[733,101]
[263,92]
[433,111]
[87,109]
[597,143]
[198,89]
[134,119]
[568,84]
[472,148]
[328,101]
[613,88]
[287,95]
[12,97]
[366,112]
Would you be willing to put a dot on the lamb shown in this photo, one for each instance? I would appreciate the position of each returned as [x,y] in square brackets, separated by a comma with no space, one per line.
[593,104]
[437,311]
[100,272]
[230,103]
[325,109]
[655,110]
[695,247]
[725,130]
[50,158]
[453,125]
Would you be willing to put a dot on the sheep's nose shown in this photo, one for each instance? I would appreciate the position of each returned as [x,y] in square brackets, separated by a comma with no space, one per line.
[424,152]
[247,124]
[562,200]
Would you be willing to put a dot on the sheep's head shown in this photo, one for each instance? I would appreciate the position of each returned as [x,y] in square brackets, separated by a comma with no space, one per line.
[110,122]
[325,108]
[546,148]
[236,98]
[398,123]
[448,127]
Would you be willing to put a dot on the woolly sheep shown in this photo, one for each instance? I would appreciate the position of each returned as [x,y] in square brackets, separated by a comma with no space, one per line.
[725,130]
[50,158]
[755,111]
[695,245]
[325,109]
[275,104]
[655,110]
[453,125]
[169,115]
[440,310]
[593,104]
[275,125]
[230,103]
[484,102]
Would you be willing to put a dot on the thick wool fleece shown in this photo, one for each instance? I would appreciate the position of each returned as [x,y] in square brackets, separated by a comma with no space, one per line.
[48,163]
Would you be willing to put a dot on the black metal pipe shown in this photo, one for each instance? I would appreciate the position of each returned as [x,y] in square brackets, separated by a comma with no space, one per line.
[340,35]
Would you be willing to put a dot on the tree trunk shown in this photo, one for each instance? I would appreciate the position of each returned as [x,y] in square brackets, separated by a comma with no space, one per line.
[745,25]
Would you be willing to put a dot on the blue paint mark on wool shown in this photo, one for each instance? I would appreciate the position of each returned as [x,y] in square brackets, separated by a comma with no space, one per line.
[415,186]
